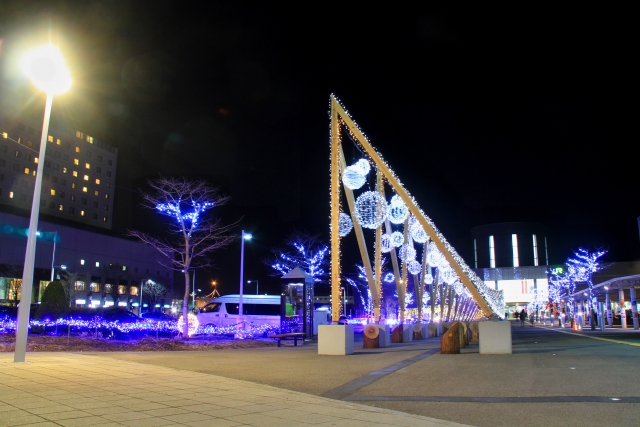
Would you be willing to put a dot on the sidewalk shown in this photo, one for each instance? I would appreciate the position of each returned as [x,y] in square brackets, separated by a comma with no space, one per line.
[53,389]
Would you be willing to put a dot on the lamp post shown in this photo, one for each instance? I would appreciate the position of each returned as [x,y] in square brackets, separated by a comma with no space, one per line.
[245,236]
[64,267]
[251,281]
[53,257]
[48,72]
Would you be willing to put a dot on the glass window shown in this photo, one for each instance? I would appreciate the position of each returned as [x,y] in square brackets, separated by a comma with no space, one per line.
[95,287]
[87,166]
[133,290]
[76,161]
[96,193]
[492,253]
[104,219]
[535,251]
[110,162]
[53,192]
[81,213]
[122,289]
[72,210]
[27,171]
[108,288]
[18,153]
[73,197]
[60,207]
[98,181]
[11,194]
[79,286]
[85,189]
[77,149]
[86,177]
[108,173]
[514,245]
[49,138]
[58,142]
[75,173]
[211,308]
[232,308]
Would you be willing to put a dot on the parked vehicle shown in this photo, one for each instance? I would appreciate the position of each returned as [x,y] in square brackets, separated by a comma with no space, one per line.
[224,311]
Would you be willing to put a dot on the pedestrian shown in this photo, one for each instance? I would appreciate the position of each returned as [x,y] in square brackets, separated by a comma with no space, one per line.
[531,320]
[523,317]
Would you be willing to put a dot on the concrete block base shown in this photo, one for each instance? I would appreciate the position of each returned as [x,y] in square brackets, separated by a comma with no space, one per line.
[384,339]
[407,333]
[335,340]
[495,337]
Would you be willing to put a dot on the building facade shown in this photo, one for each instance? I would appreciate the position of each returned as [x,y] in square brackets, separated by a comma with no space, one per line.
[105,270]
[79,170]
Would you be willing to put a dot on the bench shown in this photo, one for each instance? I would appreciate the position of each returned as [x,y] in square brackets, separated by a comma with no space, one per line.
[295,336]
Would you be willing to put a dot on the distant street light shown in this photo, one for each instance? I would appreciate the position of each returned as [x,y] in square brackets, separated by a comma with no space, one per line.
[245,236]
[251,281]
[48,72]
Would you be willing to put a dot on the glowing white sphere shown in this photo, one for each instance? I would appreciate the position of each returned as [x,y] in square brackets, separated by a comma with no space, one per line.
[407,253]
[344,224]
[414,267]
[448,275]
[362,166]
[428,279]
[352,178]
[389,277]
[397,239]
[193,323]
[371,209]
[397,211]
[417,233]
[385,243]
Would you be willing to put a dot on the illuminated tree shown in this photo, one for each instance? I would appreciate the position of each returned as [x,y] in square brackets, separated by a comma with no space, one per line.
[308,253]
[584,265]
[191,236]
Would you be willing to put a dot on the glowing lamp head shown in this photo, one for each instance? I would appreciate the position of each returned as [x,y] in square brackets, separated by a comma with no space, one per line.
[246,236]
[47,70]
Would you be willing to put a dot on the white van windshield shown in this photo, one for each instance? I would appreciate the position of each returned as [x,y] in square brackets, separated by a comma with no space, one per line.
[210,308]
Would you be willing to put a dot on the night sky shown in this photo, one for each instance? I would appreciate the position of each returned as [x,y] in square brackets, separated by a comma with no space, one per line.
[486,115]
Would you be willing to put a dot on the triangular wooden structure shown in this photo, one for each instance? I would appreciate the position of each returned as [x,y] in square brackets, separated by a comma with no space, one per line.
[489,302]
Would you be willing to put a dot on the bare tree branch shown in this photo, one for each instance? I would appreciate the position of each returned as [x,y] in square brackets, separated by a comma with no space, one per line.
[192,236]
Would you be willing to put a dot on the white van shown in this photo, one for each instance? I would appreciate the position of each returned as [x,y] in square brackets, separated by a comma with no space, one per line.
[224,311]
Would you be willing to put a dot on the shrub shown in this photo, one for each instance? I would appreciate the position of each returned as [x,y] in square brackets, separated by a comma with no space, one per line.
[54,302]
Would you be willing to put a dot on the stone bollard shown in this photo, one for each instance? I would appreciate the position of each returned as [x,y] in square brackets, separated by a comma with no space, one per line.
[450,340]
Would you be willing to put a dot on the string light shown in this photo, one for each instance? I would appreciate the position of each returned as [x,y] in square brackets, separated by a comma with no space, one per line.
[363,166]
[407,253]
[345,224]
[397,239]
[386,245]
[414,267]
[370,209]
[417,232]
[397,211]
[352,178]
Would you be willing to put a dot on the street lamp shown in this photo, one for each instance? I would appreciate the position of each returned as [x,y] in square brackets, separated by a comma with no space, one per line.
[48,72]
[63,267]
[245,236]
[250,281]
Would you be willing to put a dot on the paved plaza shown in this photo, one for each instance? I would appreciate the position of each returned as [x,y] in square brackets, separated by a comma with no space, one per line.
[553,377]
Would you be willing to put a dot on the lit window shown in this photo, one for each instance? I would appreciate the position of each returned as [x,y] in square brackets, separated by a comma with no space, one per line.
[34,172]
[77,149]
[35,160]
[73,185]
[89,139]
[75,173]
[27,171]
[514,245]
[98,181]
[81,262]
[81,213]
[475,252]
[64,170]
[18,153]
[50,138]
[492,253]
[79,134]
[124,268]
[97,263]
[58,142]
[60,208]
[96,193]
[104,219]
[535,251]
[11,194]
[53,192]
[76,161]
[133,290]
[87,166]
[106,195]
[86,177]
[95,287]
[85,189]
[122,289]
[79,287]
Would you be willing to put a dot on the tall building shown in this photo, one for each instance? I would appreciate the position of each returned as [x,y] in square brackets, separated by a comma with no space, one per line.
[79,171]
[77,199]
